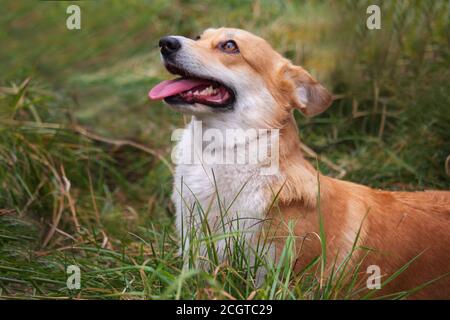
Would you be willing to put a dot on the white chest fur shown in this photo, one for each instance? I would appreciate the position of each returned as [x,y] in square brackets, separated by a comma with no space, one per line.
[218,193]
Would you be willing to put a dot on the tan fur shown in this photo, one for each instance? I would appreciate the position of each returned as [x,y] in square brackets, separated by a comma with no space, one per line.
[399,225]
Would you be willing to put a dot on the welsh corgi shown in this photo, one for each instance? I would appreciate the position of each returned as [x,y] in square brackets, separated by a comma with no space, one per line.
[231,79]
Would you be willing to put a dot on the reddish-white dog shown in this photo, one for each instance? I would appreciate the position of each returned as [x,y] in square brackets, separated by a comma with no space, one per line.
[232,79]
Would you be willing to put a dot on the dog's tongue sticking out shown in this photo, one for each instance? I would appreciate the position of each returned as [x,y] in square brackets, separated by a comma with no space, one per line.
[173,87]
[191,90]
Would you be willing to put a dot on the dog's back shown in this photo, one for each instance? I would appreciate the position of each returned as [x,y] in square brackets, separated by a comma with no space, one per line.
[402,228]
[410,229]
[414,224]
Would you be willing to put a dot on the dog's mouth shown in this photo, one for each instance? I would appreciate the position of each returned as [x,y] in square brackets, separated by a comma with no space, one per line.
[190,89]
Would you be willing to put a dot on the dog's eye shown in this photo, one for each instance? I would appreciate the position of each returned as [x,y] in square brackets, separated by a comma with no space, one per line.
[229,47]
[197,38]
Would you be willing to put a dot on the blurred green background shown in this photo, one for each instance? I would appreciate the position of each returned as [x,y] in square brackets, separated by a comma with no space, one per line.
[390,127]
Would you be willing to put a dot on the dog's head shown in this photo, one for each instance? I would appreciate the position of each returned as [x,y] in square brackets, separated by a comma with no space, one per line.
[235,77]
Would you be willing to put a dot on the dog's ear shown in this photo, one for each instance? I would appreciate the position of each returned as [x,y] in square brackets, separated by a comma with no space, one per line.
[307,94]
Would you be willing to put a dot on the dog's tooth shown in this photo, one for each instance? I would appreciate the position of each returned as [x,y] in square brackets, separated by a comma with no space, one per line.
[206,91]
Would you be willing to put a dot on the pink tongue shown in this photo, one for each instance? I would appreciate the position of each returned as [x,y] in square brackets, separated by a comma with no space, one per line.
[172,87]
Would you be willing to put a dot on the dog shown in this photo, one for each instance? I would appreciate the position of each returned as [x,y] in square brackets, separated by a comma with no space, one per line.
[231,79]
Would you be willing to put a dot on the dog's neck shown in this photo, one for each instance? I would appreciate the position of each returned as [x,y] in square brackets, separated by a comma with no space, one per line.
[299,178]
[296,179]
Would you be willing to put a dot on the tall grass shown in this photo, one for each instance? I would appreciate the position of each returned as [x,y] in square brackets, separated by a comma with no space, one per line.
[83,172]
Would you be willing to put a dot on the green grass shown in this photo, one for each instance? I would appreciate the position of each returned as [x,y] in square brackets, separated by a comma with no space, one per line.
[74,111]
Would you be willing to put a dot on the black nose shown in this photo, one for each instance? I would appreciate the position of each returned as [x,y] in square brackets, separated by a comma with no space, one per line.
[169,45]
